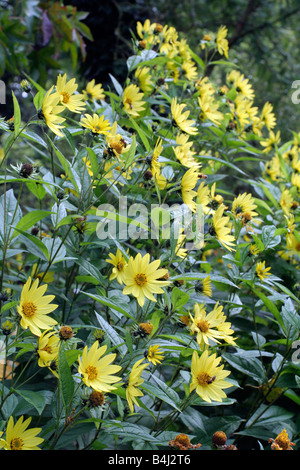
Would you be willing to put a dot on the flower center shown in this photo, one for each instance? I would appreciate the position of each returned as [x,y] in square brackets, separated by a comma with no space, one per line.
[16,444]
[205,379]
[140,279]
[47,348]
[91,372]
[29,309]
[203,326]
[120,266]
[65,97]
[129,103]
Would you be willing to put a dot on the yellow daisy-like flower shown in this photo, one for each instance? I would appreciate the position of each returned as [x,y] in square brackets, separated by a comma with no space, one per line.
[50,112]
[143,75]
[208,378]
[261,271]
[18,437]
[184,152]
[119,265]
[204,287]
[134,381]
[155,164]
[69,99]
[267,116]
[209,110]
[116,143]
[143,279]
[34,308]
[93,91]
[244,203]
[48,348]
[97,371]
[222,42]
[133,100]
[97,124]
[188,183]
[210,326]
[180,118]
[271,141]
[221,230]
[286,201]
[154,354]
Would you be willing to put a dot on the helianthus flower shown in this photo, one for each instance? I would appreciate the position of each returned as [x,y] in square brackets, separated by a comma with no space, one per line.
[271,141]
[286,201]
[221,230]
[48,348]
[154,354]
[267,116]
[204,287]
[98,373]
[143,279]
[50,112]
[155,164]
[209,110]
[261,271]
[222,42]
[116,143]
[182,442]
[180,118]
[142,74]
[97,124]
[93,91]
[134,381]
[281,442]
[184,152]
[18,437]
[119,264]
[34,308]
[244,203]
[208,378]
[210,326]
[133,100]
[188,183]
[74,102]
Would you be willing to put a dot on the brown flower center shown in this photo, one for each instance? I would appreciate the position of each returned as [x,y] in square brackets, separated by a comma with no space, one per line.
[16,443]
[91,372]
[29,309]
[203,326]
[204,379]
[65,97]
[140,279]
[120,266]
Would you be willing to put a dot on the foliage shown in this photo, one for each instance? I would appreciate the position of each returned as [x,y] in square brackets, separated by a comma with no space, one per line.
[143,302]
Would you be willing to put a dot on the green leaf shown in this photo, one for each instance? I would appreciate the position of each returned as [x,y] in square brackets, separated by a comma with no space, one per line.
[66,380]
[33,398]
[250,366]
[269,304]
[29,220]
[112,334]
[109,303]
[17,115]
[163,392]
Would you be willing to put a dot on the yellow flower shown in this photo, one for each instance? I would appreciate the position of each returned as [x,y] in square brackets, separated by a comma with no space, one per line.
[48,348]
[155,164]
[134,381]
[184,152]
[35,274]
[93,91]
[115,142]
[222,42]
[210,326]
[18,437]
[241,84]
[208,378]
[209,110]
[97,124]
[133,100]
[295,180]
[221,230]
[267,116]
[142,278]
[188,183]
[180,118]
[282,442]
[204,287]
[244,203]
[119,264]
[261,271]
[190,70]
[142,74]
[50,112]
[154,354]
[286,201]
[74,102]
[34,308]
[98,373]
[271,141]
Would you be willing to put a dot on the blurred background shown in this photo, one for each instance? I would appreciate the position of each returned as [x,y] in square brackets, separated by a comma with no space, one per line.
[92,39]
